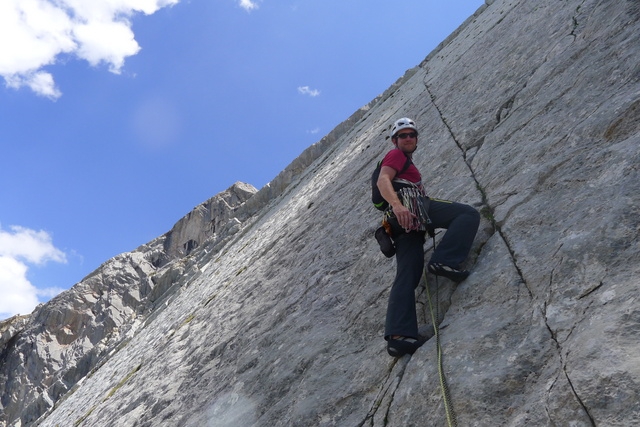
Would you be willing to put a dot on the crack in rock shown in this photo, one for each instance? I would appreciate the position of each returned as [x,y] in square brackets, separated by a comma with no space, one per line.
[575,23]
[509,247]
[386,394]
[485,202]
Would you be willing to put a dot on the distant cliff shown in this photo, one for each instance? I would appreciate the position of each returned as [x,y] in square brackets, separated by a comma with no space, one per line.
[266,308]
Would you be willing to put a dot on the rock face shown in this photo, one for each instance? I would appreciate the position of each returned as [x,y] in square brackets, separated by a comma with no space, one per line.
[267,308]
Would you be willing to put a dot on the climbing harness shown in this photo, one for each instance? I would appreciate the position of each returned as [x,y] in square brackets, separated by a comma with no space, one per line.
[446,396]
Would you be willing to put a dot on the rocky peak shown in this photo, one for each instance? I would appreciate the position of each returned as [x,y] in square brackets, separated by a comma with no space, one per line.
[65,339]
[267,308]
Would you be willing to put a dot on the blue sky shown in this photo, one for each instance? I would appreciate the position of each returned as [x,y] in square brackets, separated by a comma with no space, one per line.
[119,117]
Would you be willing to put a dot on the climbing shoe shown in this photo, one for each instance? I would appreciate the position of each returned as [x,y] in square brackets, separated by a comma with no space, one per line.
[448,272]
[386,244]
[403,345]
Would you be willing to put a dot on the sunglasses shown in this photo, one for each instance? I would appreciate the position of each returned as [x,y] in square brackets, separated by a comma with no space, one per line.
[407,135]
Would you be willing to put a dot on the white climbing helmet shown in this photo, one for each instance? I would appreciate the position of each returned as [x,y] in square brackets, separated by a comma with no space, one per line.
[403,123]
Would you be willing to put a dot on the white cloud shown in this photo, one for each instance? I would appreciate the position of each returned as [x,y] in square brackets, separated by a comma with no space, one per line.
[306,90]
[40,82]
[18,247]
[32,246]
[39,31]
[18,295]
[248,5]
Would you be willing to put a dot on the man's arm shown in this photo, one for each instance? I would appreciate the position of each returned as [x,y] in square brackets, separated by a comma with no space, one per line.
[385,186]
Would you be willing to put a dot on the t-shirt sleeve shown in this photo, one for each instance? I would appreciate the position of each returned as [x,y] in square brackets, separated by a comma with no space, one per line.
[395,159]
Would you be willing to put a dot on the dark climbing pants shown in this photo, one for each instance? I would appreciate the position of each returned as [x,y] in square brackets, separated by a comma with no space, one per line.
[461,222]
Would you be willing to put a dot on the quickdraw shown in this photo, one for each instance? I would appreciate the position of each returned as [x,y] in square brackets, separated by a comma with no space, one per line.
[414,199]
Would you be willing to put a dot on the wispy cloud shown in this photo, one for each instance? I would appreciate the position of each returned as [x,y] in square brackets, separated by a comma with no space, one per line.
[306,90]
[157,123]
[37,32]
[248,5]
[20,247]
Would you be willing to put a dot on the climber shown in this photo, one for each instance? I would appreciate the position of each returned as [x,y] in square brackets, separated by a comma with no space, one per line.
[409,216]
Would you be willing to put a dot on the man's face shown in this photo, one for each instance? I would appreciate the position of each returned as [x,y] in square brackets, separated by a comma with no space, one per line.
[407,140]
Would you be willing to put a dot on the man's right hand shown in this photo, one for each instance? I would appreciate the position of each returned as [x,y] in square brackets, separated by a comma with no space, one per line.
[404,216]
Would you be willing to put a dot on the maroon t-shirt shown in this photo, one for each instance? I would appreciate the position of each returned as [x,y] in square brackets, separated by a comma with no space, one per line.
[396,159]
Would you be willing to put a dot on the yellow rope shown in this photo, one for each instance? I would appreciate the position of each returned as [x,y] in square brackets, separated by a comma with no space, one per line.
[446,397]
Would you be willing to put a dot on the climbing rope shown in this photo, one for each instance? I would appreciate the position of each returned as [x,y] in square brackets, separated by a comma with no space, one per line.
[446,396]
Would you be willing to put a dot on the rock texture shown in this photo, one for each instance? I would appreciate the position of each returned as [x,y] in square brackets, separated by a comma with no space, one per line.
[267,308]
